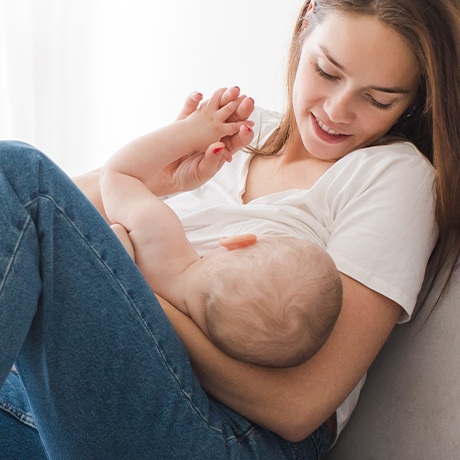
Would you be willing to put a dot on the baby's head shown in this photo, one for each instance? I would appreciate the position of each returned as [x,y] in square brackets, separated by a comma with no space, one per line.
[273,303]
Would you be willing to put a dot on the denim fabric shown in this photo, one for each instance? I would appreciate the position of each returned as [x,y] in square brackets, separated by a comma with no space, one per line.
[18,437]
[104,373]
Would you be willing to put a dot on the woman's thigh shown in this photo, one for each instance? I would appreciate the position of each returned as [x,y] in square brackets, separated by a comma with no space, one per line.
[104,372]
[19,438]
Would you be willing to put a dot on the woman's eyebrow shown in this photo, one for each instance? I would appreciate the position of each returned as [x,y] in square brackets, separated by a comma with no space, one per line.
[390,90]
[395,90]
[328,56]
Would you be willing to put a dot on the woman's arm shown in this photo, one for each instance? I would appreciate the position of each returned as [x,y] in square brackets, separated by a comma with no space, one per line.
[294,402]
[291,402]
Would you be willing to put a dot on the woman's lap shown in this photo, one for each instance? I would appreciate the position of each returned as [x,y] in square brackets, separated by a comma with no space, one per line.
[105,373]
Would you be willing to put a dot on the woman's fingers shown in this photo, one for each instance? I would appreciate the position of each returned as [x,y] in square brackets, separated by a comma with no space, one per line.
[214,157]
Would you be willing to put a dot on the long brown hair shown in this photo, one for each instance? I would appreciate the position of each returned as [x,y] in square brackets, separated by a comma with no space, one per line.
[431,29]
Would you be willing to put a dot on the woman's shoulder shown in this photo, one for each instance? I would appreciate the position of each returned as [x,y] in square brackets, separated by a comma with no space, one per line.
[394,160]
[395,152]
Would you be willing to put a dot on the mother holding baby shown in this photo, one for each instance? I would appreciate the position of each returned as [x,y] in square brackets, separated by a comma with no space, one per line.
[368,150]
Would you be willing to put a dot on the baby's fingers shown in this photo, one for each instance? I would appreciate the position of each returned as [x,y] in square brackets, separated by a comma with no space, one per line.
[214,101]
[245,107]
[230,94]
[244,110]
[190,105]
[228,110]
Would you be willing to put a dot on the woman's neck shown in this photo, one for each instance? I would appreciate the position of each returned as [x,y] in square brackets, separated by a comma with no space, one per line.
[292,168]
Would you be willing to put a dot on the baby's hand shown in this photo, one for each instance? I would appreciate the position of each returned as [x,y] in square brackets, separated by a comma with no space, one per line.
[190,105]
[193,170]
[210,121]
[244,108]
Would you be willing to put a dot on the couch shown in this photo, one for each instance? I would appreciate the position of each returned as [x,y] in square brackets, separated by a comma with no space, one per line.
[410,405]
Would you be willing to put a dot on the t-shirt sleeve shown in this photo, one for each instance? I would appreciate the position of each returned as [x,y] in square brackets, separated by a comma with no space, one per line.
[384,228]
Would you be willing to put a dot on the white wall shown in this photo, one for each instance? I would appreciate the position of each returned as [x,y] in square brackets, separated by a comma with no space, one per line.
[81,78]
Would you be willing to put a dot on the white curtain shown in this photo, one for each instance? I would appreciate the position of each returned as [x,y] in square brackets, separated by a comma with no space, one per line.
[78,79]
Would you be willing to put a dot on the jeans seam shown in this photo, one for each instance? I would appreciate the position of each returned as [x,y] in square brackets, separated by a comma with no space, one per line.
[15,250]
[22,416]
[133,305]
[241,437]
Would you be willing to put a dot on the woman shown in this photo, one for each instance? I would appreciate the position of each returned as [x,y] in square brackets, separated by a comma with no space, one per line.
[103,370]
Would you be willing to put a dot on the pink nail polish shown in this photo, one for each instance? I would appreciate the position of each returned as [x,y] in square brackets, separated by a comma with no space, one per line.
[218,150]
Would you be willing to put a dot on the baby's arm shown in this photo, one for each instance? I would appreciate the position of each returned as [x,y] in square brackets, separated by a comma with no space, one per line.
[192,170]
[146,157]
[125,176]
[161,247]
[124,238]
[162,251]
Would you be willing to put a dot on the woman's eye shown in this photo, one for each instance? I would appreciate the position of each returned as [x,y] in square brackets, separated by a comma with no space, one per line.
[379,105]
[373,101]
[323,74]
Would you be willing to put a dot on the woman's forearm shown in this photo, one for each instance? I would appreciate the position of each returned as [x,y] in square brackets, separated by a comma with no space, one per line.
[263,395]
[293,402]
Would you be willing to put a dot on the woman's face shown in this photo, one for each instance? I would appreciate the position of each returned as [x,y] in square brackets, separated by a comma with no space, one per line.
[355,78]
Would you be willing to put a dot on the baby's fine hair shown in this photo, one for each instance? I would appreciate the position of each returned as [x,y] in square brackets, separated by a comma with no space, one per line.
[273,303]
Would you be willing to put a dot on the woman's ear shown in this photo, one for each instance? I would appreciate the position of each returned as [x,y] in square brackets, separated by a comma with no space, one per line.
[310,10]
[238,241]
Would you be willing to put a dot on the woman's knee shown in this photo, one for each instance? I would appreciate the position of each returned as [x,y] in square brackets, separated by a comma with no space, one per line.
[20,161]
[11,151]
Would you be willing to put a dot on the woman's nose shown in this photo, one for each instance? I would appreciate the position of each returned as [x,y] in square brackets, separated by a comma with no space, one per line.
[339,106]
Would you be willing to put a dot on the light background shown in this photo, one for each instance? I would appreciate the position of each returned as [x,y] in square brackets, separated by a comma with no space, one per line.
[78,79]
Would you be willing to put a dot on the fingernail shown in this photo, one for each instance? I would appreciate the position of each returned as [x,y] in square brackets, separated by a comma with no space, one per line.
[248,128]
[218,150]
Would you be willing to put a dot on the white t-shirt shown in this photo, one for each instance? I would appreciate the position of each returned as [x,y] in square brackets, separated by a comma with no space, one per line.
[373,211]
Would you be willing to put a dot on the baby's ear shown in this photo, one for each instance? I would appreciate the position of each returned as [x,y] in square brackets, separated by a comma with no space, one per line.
[238,241]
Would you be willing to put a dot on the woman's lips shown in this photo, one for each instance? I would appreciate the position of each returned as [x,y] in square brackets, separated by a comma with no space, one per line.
[327,134]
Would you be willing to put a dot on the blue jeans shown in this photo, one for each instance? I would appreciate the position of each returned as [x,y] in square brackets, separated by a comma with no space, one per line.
[102,374]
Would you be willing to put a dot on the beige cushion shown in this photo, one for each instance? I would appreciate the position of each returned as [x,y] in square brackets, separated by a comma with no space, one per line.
[410,404]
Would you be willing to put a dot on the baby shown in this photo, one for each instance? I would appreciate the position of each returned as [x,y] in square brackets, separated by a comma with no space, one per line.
[271,301]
